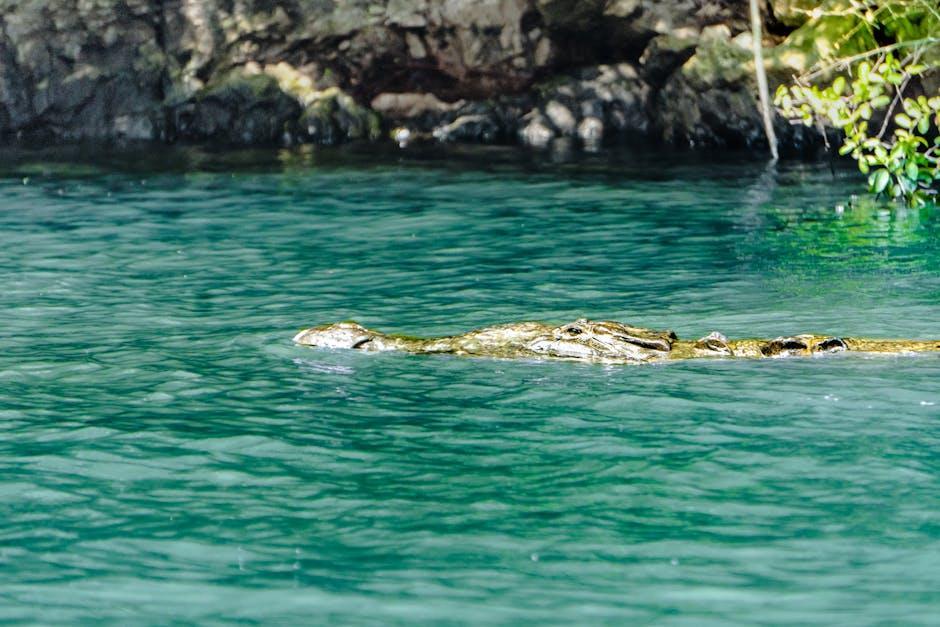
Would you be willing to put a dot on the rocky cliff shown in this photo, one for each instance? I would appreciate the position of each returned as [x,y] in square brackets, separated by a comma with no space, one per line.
[326,71]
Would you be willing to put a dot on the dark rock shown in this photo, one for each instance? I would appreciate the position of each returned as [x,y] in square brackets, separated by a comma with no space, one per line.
[239,109]
[419,112]
[535,130]
[710,101]
[469,128]
[664,54]
[612,98]
[333,117]
[78,71]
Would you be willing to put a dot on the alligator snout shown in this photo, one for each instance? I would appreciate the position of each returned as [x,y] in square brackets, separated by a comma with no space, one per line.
[339,335]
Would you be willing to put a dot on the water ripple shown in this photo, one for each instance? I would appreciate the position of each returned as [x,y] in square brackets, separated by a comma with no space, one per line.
[166,454]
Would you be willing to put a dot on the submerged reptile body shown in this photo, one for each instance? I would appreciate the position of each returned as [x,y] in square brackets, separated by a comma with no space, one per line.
[598,341]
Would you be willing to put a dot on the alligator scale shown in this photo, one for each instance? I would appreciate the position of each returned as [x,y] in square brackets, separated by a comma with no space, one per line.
[594,341]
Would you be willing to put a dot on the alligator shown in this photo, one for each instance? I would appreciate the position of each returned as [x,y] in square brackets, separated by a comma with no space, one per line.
[598,341]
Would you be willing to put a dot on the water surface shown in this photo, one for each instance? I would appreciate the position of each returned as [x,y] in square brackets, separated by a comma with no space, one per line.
[166,453]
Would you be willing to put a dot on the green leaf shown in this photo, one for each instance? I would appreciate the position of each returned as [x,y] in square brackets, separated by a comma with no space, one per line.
[911,171]
[923,125]
[838,85]
[878,181]
[903,120]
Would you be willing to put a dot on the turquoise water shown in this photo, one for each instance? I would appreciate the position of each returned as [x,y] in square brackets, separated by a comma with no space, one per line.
[166,453]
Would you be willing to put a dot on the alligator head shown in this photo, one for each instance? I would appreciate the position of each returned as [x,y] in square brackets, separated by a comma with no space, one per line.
[602,341]
[339,335]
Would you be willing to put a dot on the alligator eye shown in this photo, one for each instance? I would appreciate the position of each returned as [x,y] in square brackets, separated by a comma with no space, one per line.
[781,344]
[831,345]
[573,331]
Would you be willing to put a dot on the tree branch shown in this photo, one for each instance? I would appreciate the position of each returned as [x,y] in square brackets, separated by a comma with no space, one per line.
[761,72]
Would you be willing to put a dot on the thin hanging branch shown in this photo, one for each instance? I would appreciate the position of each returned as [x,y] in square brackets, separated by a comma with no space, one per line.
[763,91]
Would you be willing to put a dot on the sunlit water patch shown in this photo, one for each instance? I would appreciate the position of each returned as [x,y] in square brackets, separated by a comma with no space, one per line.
[168,454]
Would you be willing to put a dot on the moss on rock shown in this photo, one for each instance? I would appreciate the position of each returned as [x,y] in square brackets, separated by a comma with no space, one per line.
[823,38]
[793,13]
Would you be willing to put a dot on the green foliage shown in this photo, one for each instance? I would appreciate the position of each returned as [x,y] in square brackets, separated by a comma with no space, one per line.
[834,32]
[903,165]
[892,134]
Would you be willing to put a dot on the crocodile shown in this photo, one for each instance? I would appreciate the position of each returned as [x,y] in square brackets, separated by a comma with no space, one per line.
[598,341]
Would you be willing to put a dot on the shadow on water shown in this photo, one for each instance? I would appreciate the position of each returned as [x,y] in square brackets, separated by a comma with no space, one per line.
[654,163]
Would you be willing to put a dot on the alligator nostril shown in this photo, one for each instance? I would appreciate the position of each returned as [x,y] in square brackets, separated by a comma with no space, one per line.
[573,331]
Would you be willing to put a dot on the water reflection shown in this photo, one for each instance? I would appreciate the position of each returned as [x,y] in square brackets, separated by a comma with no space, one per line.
[852,236]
